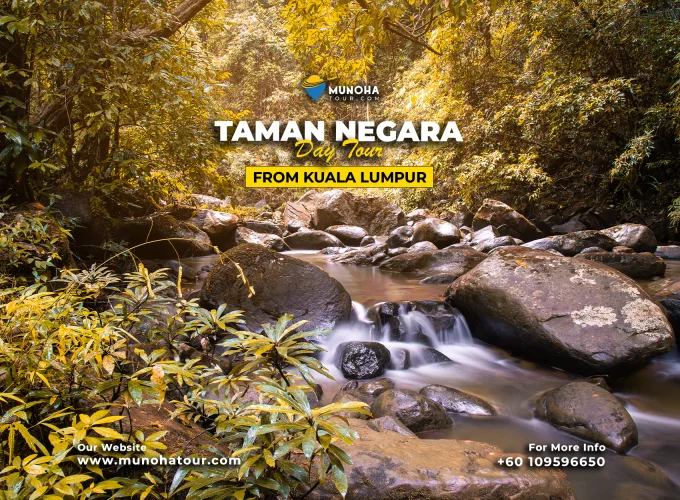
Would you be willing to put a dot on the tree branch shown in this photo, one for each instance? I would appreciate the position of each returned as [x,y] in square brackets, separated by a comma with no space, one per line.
[54,115]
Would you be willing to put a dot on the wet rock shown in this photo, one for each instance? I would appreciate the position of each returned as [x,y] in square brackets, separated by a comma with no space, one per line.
[283,285]
[367,240]
[464,230]
[262,226]
[591,250]
[481,236]
[430,356]
[349,397]
[400,237]
[219,226]
[622,250]
[420,246]
[368,390]
[388,465]
[418,214]
[571,226]
[400,359]
[459,219]
[374,214]
[455,261]
[312,240]
[439,279]
[574,314]
[600,382]
[502,241]
[636,236]
[371,255]
[301,213]
[436,231]
[506,220]
[349,235]
[185,239]
[636,265]
[335,250]
[393,252]
[362,360]
[672,309]
[457,401]
[294,226]
[416,412]
[271,241]
[573,243]
[389,424]
[668,252]
[440,314]
[589,412]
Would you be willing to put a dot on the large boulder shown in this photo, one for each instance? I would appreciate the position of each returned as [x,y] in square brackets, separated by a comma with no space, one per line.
[209,201]
[589,412]
[312,240]
[400,237]
[339,207]
[457,401]
[456,261]
[636,265]
[636,236]
[571,244]
[436,231]
[349,235]
[219,226]
[282,284]
[301,213]
[388,465]
[575,314]
[422,245]
[415,411]
[361,360]
[263,226]
[506,220]
[178,237]
[271,241]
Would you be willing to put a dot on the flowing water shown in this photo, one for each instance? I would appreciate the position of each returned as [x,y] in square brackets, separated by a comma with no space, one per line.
[651,395]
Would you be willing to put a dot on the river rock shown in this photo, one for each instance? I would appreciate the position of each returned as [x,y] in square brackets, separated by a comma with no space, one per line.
[301,213]
[416,412]
[574,314]
[440,314]
[263,226]
[480,237]
[428,356]
[174,266]
[573,243]
[219,226]
[370,255]
[457,401]
[335,250]
[418,214]
[400,237]
[312,240]
[439,279]
[589,412]
[620,249]
[672,309]
[367,240]
[374,214]
[506,220]
[636,236]
[668,252]
[283,285]
[636,265]
[210,201]
[362,360]
[573,225]
[420,246]
[393,252]
[454,261]
[185,239]
[349,235]
[436,231]
[271,241]
[502,241]
[367,391]
[388,465]
[390,424]
[591,250]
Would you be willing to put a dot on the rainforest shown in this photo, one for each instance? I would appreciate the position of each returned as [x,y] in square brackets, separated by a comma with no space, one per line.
[508,331]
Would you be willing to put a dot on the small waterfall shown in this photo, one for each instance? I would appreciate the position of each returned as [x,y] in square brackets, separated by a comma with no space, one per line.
[459,333]
[418,328]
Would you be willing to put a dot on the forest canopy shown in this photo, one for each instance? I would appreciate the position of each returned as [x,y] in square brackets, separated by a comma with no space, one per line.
[557,100]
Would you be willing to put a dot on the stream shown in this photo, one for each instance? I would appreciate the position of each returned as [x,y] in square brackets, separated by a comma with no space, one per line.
[651,395]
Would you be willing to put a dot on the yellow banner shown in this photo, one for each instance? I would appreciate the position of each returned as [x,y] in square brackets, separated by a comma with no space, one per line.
[339,177]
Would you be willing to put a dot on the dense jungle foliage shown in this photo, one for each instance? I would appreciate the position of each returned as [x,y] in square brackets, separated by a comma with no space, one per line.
[556,100]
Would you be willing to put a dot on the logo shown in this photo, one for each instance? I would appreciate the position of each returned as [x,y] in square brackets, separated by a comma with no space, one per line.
[314,86]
